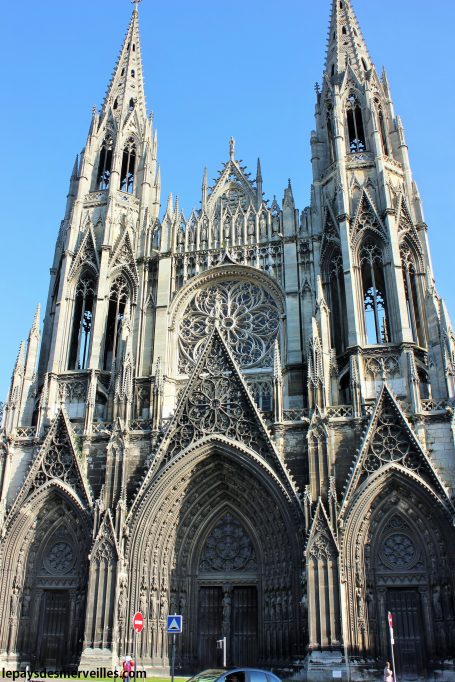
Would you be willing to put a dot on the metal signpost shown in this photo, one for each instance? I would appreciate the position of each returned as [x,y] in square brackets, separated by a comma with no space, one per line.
[392,643]
[221,644]
[174,627]
[138,625]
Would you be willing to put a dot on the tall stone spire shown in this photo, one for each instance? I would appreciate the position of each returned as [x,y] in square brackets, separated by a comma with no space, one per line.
[345,42]
[126,89]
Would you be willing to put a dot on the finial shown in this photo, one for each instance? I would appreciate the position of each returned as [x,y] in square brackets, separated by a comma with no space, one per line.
[136,3]
[231,148]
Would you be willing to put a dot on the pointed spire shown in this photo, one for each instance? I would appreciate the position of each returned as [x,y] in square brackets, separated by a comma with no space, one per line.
[34,330]
[259,181]
[345,42]
[204,188]
[126,89]
[232,149]
[20,360]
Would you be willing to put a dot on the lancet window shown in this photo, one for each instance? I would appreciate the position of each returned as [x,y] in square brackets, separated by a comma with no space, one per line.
[128,166]
[105,164]
[337,302]
[356,132]
[118,297]
[374,293]
[81,333]
[382,128]
[330,137]
[411,289]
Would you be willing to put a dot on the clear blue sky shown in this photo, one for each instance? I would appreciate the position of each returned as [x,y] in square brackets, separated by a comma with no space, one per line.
[212,70]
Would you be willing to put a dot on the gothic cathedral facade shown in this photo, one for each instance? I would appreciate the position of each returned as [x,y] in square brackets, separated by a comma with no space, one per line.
[244,416]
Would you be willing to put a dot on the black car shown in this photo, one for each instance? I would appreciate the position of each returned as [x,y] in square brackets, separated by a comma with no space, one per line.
[235,675]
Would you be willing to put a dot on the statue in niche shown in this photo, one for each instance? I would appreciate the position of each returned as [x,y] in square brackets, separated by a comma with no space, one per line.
[263,225]
[251,229]
[275,225]
[436,595]
[14,603]
[204,233]
[227,229]
[226,611]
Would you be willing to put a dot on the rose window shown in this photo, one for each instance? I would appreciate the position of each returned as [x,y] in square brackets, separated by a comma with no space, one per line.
[390,443]
[248,316]
[228,548]
[398,550]
[60,558]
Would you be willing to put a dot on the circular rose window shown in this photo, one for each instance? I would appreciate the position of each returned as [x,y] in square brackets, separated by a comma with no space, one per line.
[248,317]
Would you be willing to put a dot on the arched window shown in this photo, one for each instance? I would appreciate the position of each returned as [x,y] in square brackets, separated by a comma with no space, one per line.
[337,302]
[356,131]
[117,301]
[382,127]
[411,289]
[374,293]
[131,105]
[82,322]
[128,167]
[330,137]
[105,163]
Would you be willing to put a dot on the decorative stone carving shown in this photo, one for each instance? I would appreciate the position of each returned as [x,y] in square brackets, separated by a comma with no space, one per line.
[228,548]
[248,317]
[60,558]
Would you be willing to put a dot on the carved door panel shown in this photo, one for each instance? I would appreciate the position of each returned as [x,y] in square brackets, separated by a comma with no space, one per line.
[244,629]
[209,620]
[405,607]
[55,621]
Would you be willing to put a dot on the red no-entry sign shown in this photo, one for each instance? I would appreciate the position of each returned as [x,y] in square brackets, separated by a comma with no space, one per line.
[138,622]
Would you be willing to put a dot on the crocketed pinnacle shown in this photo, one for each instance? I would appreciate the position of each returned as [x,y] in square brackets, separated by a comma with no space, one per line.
[345,42]
[126,89]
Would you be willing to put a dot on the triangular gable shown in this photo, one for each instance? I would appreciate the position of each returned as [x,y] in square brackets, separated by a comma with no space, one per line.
[232,172]
[105,545]
[366,218]
[56,462]
[390,443]
[216,402]
[123,257]
[86,255]
[331,234]
[406,227]
[321,538]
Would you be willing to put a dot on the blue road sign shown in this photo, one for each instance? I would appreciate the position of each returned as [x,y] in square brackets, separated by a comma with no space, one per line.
[174,624]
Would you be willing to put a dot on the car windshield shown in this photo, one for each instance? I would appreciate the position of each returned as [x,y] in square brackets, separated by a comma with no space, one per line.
[207,676]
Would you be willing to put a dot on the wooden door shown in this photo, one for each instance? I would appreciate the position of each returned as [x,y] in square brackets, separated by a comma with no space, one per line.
[55,621]
[244,627]
[409,637]
[209,624]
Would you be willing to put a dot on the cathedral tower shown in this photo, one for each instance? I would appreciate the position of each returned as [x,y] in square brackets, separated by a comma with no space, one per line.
[244,415]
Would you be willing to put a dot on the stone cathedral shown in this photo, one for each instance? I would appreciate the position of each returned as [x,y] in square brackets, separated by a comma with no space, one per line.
[244,415]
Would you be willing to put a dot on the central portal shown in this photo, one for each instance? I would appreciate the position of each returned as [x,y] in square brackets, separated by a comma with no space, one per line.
[232,612]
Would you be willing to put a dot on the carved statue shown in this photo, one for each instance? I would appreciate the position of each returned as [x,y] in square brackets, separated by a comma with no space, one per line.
[436,595]
[14,603]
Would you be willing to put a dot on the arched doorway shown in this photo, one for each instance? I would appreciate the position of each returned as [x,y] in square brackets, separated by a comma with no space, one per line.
[402,561]
[227,593]
[49,588]
[220,543]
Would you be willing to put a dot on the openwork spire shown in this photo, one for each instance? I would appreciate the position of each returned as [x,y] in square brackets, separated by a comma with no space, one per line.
[126,89]
[345,42]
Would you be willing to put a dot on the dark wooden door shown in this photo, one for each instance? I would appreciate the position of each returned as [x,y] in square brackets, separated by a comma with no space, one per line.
[55,622]
[244,627]
[405,607]
[210,625]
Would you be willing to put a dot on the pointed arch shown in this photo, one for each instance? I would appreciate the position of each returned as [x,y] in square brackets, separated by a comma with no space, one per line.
[119,296]
[82,324]
[373,285]
[103,175]
[414,289]
[129,162]
[356,137]
[335,294]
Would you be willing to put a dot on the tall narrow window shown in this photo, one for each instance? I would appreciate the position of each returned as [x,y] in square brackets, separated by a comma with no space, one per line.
[82,323]
[374,293]
[117,301]
[105,164]
[356,131]
[411,289]
[128,167]
[331,138]
[382,129]
[337,303]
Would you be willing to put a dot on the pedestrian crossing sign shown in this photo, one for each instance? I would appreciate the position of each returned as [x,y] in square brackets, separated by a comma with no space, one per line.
[174,624]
